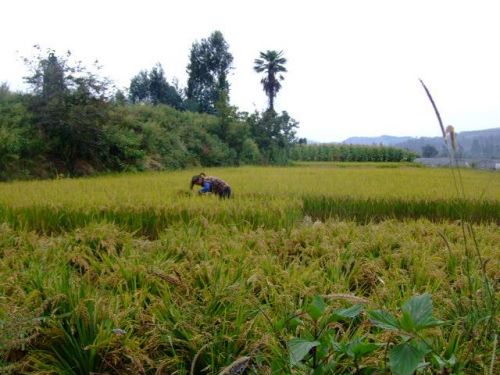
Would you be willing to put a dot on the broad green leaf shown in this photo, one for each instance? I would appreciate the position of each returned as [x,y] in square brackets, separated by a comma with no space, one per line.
[422,346]
[294,323]
[328,368]
[383,320]
[417,313]
[404,359]
[406,322]
[299,349]
[359,348]
[316,308]
[369,371]
[349,313]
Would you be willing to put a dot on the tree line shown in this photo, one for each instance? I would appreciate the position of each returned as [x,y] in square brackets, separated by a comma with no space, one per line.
[71,121]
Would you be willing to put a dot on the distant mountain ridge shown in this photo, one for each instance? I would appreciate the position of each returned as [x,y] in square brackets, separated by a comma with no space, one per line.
[476,143]
[386,140]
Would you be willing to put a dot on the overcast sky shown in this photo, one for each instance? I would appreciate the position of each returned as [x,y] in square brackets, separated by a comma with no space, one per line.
[353,66]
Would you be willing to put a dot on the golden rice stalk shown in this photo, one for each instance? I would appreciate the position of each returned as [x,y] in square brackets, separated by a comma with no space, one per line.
[50,302]
[83,313]
[237,367]
[171,279]
[195,359]
[80,263]
[347,297]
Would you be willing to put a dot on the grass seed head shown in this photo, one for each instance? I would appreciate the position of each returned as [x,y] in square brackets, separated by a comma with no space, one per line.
[171,279]
[450,131]
[346,297]
[238,367]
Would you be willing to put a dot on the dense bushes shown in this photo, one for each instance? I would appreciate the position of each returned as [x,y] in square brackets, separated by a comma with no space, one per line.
[38,140]
[69,123]
[20,144]
[82,136]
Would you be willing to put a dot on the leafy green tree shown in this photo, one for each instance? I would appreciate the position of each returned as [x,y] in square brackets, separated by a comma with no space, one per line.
[272,64]
[69,105]
[250,153]
[152,87]
[139,88]
[48,78]
[71,123]
[209,64]
[160,91]
[158,85]
[119,97]
[302,141]
[429,151]
[230,128]
[17,140]
[4,90]
[274,134]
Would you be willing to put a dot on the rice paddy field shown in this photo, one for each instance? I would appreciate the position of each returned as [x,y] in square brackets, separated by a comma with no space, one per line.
[317,268]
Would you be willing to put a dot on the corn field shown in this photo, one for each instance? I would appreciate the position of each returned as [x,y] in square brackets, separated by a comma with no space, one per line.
[316,268]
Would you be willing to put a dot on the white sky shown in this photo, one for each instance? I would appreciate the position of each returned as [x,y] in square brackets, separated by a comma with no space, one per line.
[353,65]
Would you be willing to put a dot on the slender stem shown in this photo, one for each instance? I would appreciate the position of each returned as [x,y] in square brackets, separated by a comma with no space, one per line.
[315,352]
[435,107]
[387,349]
[493,355]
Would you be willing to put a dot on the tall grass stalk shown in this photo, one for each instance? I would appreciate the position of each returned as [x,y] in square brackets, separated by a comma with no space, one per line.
[484,314]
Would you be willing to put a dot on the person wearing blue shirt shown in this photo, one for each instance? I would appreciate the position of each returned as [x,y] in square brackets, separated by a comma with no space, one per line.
[211,184]
[207,187]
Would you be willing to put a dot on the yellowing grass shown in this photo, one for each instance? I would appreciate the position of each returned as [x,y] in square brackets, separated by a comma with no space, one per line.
[271,197]
[193,283]
[290,183]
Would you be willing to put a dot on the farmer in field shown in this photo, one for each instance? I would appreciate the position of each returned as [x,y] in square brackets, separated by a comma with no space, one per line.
[211,184]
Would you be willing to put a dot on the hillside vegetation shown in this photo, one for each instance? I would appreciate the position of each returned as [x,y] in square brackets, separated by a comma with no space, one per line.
[73,122]
[104,136]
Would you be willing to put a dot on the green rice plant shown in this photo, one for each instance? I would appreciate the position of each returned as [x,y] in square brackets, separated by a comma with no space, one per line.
[250,184]
[77,333]
[75,345]
[148,203]
[366,210]
[147,221]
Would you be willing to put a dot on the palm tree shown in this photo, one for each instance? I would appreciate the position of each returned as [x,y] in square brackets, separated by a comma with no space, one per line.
[271,63]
